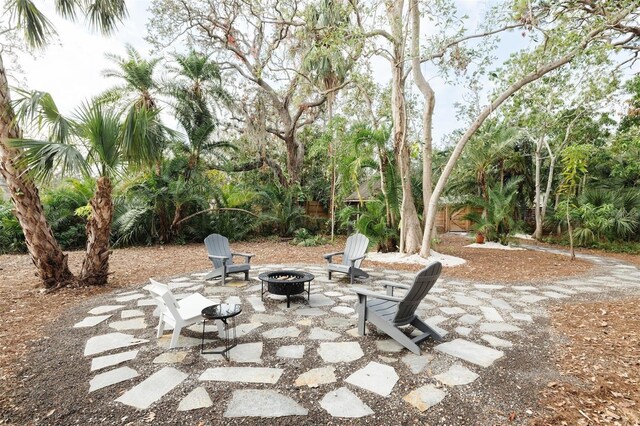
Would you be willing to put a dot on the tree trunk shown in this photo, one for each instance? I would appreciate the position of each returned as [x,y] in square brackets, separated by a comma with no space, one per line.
[47,256]
[295,159]
[410,230]
[95,266]
[537,234]
[427,120]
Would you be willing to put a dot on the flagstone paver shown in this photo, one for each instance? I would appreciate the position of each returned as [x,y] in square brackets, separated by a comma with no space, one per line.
[471,352]
[153,388]
[111,377]
[453,310]
[469,319]
[104,309]
[344,310]
[242,374]
[197,398]
[322,334]
[170,357]
[491,314]
[501,304]
[425,397]
[107,342]
[521,317]
[467,300]
[91,321]
[104,361]
[131,313]
[256,303]
[496,342]
[279,333]
[532,298]
[316,377]
[463,331]
[497,327]
[137,323]
[417,363]
[457,375]
[318,300]
[344,403]
[375,377]
[389,345]
[291,351]
[129,297]
[340,351]
[263,403]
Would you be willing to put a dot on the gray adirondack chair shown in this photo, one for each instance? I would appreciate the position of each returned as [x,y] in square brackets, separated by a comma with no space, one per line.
[354,252]
[389,312]
[221,256]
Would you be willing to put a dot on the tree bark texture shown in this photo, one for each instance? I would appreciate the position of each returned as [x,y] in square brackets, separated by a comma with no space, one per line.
[47,256]
[427,119]
[537,234]
[95,267]
[410,230]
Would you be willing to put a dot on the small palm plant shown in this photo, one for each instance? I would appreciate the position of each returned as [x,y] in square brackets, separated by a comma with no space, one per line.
[496,221]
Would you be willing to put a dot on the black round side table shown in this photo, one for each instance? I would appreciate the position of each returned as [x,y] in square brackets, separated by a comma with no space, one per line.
[223,312]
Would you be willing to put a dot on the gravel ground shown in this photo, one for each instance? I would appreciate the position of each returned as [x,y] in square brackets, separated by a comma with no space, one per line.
[46,376]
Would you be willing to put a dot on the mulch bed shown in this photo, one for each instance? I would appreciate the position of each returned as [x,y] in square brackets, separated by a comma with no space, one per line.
[22,302]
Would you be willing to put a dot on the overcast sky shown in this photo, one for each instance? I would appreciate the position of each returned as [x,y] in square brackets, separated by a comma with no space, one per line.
[71,70]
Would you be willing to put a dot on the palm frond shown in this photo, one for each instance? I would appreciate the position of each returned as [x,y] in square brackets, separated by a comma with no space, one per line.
[36,27]
[105,15]
[43,158]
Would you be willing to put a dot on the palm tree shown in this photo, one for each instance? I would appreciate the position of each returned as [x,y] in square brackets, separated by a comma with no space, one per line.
[93,143]
[327,66]
[45,252]
[196,88]
[138,96]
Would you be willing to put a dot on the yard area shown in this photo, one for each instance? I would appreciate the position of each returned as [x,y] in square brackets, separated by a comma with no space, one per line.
[588,344]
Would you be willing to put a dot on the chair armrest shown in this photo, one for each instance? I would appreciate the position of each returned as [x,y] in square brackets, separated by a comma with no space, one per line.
[328,256]
[362,292]
[247,256]
[355,259]
[223,258]
[390,285]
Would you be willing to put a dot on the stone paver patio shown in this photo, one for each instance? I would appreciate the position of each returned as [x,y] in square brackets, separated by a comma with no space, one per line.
[482,323]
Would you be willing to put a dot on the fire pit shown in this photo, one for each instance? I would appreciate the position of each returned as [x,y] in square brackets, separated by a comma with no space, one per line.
[286,283]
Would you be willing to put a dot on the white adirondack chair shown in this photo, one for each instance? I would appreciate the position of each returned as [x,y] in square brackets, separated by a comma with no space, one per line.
[354,252]
[178,313]
[388,312]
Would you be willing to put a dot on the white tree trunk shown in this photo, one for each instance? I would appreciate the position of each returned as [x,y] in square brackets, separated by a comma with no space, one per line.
[427,120]
[410,229]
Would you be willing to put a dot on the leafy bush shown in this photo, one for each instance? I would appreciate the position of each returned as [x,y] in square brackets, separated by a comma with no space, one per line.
[603,216]
[11,236]
[283,213]
[371,220]
[304,238]
[497,220]
[61,204]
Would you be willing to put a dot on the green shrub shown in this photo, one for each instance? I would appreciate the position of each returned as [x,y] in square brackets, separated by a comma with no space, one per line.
[11,236]
[304,238]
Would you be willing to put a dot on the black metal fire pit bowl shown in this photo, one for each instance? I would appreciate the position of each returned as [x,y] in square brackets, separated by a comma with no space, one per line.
[286,283]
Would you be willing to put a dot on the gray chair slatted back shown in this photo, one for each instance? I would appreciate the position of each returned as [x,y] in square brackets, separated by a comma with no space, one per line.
[356,247]
[422,284]
[217,245]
